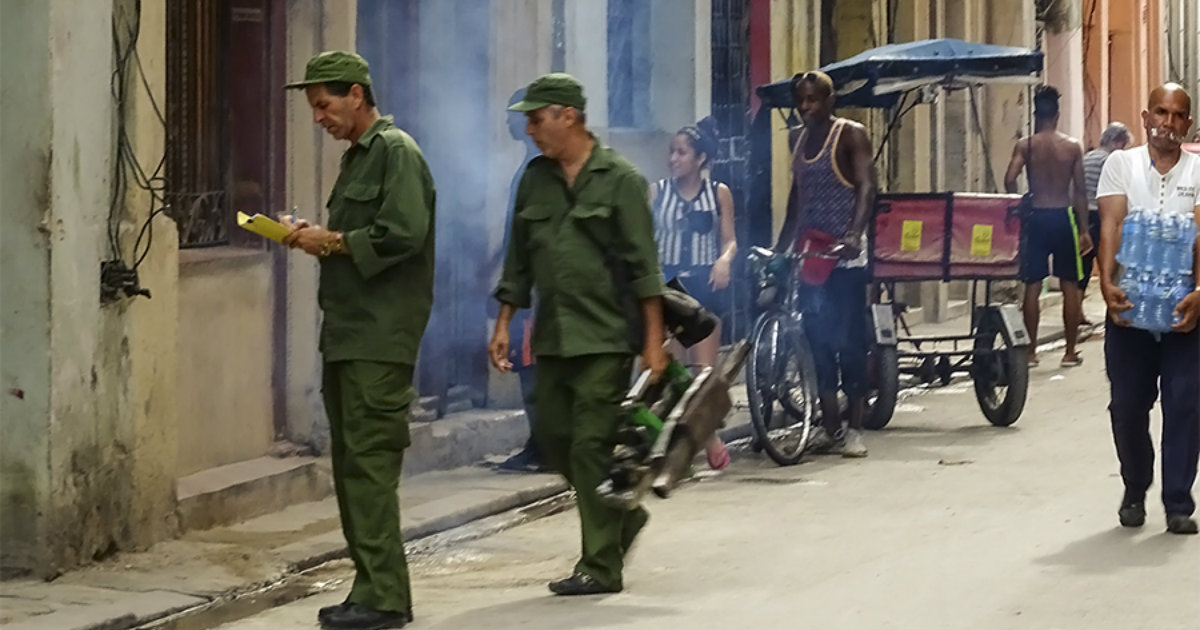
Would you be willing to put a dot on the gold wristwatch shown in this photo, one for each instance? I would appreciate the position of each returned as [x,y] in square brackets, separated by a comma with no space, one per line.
[335,244]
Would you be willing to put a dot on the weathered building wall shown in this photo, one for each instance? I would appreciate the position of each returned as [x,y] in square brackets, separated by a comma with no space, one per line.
[87,418]
[1129,48]
[311,166]
[225,402]
[24,285]
[795,47]
[105,404]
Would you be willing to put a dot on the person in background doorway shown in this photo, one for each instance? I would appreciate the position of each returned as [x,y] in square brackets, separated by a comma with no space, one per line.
[1160,178]
[1115,138]
[520,354]
[1055,225]
[693,219]
[376,294]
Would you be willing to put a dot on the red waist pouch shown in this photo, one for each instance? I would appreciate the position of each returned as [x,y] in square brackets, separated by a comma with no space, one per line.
[815,270]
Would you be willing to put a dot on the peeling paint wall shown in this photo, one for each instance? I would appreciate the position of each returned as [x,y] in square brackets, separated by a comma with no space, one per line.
[24,285]
[91,430]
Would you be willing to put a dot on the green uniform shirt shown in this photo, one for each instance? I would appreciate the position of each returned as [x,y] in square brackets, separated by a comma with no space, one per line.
[579,310]
[377,298]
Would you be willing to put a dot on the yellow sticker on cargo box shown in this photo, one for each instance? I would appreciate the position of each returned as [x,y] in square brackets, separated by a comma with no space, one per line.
[981,240]
[910,236]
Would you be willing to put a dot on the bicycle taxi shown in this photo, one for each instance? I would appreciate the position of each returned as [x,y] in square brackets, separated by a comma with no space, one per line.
[914,237]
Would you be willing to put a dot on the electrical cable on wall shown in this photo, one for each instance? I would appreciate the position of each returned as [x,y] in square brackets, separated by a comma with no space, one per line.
[116,277]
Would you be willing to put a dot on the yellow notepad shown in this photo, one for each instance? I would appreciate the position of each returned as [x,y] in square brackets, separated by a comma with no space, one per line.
[263,226]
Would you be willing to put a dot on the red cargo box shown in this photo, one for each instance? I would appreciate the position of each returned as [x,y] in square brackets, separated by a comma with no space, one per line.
[946,236]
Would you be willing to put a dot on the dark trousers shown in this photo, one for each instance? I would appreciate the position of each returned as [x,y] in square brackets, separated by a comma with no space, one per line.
[578,409]
[836,326]
[1136,364]
[368,403]
[529,400]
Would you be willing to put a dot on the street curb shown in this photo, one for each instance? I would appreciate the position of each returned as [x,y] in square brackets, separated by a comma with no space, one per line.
[255,597]
[244,596]
[447,522]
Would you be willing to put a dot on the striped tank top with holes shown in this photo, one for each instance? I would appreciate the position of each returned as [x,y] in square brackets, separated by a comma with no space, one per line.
[688,230]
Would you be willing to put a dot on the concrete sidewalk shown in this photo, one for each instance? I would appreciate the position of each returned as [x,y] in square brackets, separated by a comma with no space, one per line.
[219,566]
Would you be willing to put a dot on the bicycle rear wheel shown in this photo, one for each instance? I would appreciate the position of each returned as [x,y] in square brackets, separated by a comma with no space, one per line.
[781,386]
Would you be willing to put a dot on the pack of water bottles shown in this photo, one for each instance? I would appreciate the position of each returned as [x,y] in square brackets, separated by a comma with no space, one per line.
[1156,252]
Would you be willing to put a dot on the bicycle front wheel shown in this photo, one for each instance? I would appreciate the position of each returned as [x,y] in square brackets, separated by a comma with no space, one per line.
[781,386]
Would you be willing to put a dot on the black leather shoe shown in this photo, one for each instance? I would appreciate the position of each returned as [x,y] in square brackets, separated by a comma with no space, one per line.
[359,617]
[1181,524]
[1132,514]
[581,584]
[325,611]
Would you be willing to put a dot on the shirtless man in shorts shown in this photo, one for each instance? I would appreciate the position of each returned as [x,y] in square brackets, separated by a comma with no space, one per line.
[1056,224]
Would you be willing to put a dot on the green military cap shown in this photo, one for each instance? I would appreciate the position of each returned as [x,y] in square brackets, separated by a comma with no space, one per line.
[552,89]
[332,66]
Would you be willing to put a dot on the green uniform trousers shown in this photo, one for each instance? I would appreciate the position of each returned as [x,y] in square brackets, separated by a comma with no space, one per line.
[578,405]
[367,403]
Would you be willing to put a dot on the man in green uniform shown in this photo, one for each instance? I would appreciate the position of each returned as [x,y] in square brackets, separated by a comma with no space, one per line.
[376,290]
[583,236]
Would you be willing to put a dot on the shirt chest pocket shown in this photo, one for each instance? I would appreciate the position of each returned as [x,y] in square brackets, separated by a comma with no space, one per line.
[539,225]
[1182,202]
[592,223]
[354,206]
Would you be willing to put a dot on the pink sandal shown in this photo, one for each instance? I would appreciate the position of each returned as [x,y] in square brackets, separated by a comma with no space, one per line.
[718,457]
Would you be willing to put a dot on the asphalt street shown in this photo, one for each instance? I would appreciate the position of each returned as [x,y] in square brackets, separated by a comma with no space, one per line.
[949,523]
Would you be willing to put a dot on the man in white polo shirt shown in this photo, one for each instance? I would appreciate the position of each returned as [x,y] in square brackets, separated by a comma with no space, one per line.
[1156,177]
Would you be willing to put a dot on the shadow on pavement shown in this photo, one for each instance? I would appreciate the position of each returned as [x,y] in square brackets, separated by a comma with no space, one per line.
[1117,548]
[558,612]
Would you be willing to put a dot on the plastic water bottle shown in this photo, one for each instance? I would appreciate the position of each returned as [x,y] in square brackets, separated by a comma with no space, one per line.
[1132,232]
[1183,286]
[1161,315]
[1151,241]
[1144,305]
[1129,284]
[1184,253]
[1162,253]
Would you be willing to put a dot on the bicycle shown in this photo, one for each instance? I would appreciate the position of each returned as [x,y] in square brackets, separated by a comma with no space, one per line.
[781,377]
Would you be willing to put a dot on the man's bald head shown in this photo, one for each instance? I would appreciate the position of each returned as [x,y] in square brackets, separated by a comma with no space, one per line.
[1168,91]
[1168,117]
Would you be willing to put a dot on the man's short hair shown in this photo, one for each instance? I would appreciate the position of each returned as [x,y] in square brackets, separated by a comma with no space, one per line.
[341,89]
[815,77]
[1115,133]
[558,110]
[1045,101]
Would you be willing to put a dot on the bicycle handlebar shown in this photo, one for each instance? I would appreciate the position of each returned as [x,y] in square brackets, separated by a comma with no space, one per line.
[763,252]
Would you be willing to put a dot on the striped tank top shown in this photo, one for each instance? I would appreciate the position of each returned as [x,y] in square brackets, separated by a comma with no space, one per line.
[826,196]
[688,230]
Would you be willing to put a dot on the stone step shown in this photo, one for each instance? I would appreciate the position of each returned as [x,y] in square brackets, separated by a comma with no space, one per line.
[235,492]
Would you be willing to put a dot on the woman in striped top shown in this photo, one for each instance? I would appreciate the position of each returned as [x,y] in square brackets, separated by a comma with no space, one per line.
[693,219]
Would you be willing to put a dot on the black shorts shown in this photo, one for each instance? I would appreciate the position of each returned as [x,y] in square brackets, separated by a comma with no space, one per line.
[695,282]
[1050,233]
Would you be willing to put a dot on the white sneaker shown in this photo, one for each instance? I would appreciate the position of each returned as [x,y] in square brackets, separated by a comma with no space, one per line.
[855,446]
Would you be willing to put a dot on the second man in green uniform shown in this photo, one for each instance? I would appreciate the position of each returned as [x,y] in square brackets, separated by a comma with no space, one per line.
[580,214]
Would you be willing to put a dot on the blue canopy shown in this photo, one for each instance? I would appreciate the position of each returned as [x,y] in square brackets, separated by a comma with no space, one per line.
[877,77]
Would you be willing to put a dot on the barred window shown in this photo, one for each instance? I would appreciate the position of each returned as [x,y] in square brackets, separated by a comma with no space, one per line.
[224,119]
